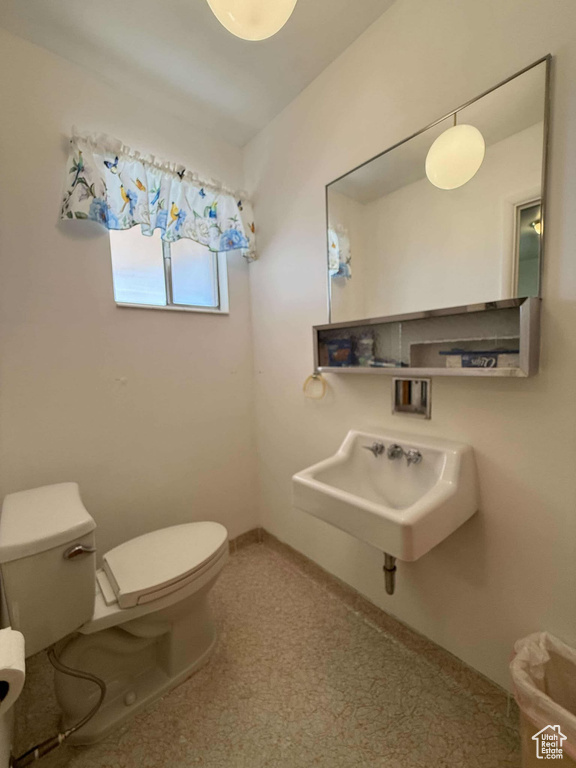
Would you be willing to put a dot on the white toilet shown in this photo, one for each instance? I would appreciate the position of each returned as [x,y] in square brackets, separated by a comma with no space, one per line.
[143,620]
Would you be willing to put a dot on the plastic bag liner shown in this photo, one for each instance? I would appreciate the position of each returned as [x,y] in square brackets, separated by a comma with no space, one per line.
[544,675]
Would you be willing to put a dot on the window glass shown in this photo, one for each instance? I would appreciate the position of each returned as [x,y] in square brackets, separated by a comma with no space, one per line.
[138,267]
[529,236]
[194,274]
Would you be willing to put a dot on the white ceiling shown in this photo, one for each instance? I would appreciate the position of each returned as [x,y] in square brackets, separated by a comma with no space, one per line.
[177,55]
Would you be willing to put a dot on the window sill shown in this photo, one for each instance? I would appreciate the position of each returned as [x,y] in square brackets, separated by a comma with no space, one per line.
[173,308]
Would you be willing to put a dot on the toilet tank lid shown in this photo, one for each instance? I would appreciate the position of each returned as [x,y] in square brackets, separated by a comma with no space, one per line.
[40,519]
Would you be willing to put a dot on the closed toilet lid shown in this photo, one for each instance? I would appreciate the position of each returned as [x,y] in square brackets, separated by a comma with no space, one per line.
[155,561]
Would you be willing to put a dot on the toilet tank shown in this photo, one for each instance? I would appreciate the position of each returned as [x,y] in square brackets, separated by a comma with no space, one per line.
[48,577]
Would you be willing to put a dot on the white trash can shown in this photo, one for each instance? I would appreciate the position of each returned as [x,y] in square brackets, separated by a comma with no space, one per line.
[544,675]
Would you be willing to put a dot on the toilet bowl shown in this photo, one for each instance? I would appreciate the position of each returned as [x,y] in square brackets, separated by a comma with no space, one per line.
[141,622]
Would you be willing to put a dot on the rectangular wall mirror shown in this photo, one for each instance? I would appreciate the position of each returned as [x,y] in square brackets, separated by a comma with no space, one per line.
[398,243]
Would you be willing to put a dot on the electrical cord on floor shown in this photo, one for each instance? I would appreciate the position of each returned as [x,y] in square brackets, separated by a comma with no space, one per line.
[55,741]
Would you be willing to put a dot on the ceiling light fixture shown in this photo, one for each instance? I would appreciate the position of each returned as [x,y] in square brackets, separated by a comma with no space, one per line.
[455,157]
[252,19]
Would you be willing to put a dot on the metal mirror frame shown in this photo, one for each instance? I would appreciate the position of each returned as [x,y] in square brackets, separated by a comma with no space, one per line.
[547,61]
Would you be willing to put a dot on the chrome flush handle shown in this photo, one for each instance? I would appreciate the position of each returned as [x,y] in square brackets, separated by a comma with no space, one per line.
[77,550]
[376,448]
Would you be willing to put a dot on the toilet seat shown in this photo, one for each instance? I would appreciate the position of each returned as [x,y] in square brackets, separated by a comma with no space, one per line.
[156,564]
[108,613]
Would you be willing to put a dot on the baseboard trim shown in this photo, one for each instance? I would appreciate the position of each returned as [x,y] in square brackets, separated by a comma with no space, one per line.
[253,536]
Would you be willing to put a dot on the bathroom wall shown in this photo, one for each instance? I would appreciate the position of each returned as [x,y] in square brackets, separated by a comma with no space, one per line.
[149,411]
[510,569]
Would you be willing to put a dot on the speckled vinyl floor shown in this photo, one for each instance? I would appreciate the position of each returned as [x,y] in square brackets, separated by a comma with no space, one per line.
[305,674]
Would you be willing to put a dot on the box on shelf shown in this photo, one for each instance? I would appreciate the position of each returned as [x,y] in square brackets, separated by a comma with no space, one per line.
[483,359]
[466,353]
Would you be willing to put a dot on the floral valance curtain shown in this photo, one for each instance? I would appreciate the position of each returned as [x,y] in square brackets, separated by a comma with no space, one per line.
[339,254]
[109,183]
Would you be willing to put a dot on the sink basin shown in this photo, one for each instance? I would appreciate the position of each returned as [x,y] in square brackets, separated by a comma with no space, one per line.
[403,509]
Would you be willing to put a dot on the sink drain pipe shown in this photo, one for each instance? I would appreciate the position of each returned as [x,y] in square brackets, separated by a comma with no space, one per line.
[389,573]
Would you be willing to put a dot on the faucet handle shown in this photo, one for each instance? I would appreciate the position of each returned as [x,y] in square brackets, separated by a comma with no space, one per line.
[376,448]
[413,456]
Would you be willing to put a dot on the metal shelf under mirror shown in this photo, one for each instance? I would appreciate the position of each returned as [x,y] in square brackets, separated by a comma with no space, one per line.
[500,338]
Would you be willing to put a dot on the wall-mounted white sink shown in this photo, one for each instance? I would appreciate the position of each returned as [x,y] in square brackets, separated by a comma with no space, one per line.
[402,508]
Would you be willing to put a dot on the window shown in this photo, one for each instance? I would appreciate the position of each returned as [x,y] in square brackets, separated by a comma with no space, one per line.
[184,275]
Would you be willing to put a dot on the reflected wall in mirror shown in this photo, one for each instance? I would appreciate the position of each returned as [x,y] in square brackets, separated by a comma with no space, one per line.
[397,243]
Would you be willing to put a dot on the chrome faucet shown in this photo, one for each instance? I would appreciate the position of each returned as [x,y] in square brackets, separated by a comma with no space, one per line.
[376,448]
[413,456]
[394,451]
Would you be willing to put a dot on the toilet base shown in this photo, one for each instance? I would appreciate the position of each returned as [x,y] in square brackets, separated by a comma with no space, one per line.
[138,663]
[145,690]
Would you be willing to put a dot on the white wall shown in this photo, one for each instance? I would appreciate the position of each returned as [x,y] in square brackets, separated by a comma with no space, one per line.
[511,569]
[175,441]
